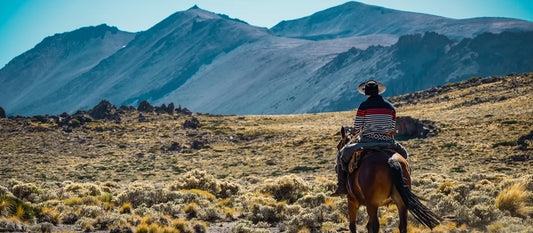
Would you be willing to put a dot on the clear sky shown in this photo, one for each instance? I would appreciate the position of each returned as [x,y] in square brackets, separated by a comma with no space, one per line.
[24,23]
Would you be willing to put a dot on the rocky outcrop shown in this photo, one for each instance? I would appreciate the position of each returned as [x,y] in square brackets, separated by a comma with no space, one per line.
[144,106]
[409,127]
[104,111]
[193,123]
[2,113]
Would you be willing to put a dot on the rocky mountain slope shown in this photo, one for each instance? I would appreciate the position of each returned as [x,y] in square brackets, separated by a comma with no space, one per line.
[358,19]
[54,62]
[212,63]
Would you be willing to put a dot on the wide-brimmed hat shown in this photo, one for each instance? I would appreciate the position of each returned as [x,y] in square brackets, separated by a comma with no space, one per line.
[371,84]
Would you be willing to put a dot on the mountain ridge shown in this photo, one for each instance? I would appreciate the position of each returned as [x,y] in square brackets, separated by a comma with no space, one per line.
[355,19]
[213,63]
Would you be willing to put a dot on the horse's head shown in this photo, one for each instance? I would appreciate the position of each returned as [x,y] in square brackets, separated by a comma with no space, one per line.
[346,137]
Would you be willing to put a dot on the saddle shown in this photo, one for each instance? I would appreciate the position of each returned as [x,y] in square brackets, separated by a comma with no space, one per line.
[359,154]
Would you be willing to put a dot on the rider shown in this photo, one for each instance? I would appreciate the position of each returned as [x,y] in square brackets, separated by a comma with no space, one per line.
[375,121]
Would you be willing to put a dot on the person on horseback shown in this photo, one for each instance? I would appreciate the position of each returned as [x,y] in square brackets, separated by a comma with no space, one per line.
[375,122]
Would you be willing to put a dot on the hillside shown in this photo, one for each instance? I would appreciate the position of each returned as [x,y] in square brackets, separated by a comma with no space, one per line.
[273,172]
[56,60]
[358,19]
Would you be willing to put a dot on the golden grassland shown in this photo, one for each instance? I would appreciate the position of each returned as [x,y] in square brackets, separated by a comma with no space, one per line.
[268,173]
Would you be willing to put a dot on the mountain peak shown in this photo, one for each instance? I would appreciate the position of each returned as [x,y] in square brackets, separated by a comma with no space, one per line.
[194,7]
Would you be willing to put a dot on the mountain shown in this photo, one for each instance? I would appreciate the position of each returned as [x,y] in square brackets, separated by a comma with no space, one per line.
[55,61]
[213,63]
[358,19]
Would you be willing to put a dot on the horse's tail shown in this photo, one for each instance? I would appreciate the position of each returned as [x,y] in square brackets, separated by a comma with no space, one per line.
[421,213]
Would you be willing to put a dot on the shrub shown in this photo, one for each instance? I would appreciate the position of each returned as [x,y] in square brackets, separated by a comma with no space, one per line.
[209,214]
[200,180]
[197,179]
[191,210]
[312,201]
[69,218]
[246,226]
[270,212]
[108,221]
[477,216]
[288,188]
[23,191]
[513,199]
[91,211]
[181,225]
[49,215]
[199,227]
[170,208]
[125,208]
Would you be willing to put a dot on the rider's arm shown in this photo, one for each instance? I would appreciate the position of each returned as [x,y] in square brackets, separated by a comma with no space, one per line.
[358,122]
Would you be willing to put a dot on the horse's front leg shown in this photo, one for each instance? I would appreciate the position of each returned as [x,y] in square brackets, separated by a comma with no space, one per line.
[353,207]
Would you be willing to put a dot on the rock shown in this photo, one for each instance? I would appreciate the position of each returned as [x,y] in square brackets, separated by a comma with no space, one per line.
[104,111]
[161,109]
[409,127]
[81,118]
[186,111]
[126,109]
[199,144]
[522,141]
[6,226]
[191,124]
[63,119]
[142,118]
[144,106]
[170,109]
[2,113]
[174,147]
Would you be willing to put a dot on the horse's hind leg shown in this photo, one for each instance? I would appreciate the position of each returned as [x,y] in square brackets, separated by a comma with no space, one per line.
[353,207]
[373,222]
[402,210]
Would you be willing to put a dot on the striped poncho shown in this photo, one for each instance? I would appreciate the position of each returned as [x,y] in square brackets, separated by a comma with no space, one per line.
[375,118]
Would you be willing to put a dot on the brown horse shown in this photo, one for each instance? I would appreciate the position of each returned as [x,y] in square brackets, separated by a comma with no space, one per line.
[382,174]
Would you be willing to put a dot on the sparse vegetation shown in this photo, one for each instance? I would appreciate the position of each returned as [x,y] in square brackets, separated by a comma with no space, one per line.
[267,173]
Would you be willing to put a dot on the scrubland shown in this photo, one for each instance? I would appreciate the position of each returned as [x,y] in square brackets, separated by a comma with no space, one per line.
[269,173]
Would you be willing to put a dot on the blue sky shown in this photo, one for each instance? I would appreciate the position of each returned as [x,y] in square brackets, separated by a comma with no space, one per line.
[24,23]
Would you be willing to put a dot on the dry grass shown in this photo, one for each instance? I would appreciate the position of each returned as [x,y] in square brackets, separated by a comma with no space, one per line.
[270,173]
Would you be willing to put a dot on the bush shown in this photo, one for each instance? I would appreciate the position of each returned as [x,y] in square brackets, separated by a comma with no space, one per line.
[245,226]
[108,221]
[91,211]
[23,191]
[477,216]
[513,199]
[270,212]
[288,188]
[312,201]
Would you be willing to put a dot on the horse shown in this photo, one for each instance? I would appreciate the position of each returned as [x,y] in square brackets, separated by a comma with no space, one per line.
[381,175]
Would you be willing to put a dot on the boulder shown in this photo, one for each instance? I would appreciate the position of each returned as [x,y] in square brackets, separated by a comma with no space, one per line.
[144,106]
[170,109]
[102,110]
[525,140]
[193,123]
[409,127]
[126,109]
[142,118]
[2,113]
[7,226]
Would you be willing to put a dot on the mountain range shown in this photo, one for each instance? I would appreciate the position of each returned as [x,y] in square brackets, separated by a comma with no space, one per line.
[213,63]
